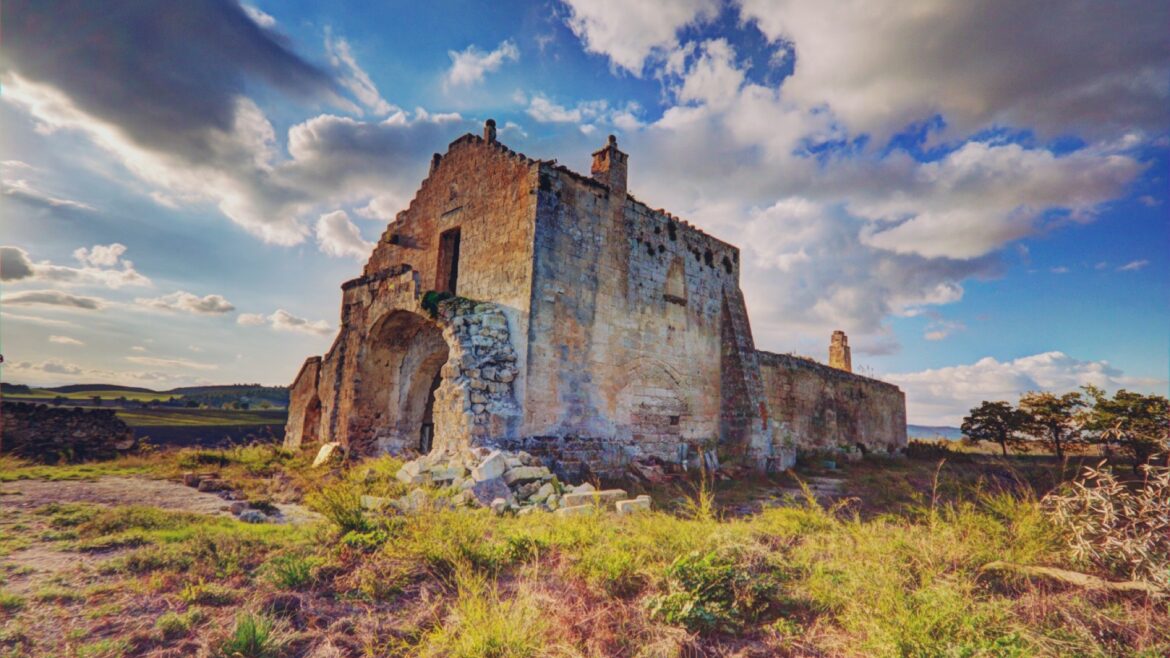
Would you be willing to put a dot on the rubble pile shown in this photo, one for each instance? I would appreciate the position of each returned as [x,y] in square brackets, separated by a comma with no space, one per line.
[506,481]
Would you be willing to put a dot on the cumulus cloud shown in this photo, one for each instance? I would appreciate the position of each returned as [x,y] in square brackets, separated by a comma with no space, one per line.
[54,298]
[186,302]
[1133,266]
[65,340]
[193,134]
[885,64]
[628,33]
[14,264]
[942,396]
[469,66]
[282,320]
[339,237]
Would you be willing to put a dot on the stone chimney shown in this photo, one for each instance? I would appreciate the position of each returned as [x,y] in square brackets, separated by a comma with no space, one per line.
[839,352]
[489,131]
[609,167]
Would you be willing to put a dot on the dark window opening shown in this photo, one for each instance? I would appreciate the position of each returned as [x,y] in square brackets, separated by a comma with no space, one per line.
[661,249]
[709,258]
[657,230]
[674,420]
[727,264]
[426,434]
[448,275]
[649,250]
[672,231]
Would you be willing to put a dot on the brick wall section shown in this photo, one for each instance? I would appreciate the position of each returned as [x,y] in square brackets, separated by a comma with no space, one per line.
[823,408]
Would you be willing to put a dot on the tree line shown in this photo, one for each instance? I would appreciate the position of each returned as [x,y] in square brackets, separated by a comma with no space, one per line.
[1132,424]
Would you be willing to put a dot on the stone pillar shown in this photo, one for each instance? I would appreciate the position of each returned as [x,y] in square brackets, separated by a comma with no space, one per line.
[609,167]
[839,357]
[489,131]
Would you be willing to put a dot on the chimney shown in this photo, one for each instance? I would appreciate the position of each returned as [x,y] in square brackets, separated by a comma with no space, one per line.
[609,167]
[839,352]
[489,131]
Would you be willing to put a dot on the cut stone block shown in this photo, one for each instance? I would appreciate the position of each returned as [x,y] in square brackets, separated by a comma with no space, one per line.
[326,453]
[639,504]
[575,510]
[602,498]
[491,467]
[488,490]
[522,474]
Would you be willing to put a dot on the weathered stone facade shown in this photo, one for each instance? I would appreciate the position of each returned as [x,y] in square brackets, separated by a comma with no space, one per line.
[516,303]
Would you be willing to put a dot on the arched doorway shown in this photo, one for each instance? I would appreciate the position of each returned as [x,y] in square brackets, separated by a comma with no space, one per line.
[399,370]
[311,426]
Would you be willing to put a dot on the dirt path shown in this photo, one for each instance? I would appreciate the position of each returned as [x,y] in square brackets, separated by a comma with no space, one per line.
[113,491]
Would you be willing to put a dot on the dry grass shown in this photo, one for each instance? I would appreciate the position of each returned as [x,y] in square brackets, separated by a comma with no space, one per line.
[803,579]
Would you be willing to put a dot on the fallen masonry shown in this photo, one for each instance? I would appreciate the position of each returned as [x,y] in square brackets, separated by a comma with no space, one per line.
[503,481]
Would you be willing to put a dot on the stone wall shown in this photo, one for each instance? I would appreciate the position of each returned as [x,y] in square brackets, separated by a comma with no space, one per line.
[50,434]
[823,408]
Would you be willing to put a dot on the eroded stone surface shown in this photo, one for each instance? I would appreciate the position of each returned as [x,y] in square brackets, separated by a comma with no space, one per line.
[586,329]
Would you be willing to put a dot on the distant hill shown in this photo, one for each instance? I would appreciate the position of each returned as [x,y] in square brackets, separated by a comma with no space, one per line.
[74,388]
[934,432]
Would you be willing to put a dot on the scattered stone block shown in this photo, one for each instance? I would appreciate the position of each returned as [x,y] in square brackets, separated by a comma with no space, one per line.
[493,466]
[374,502]
[499,506]
[523,474]
[237,507]
[191,479]
[488,490]
[211,485]
[542,494]
[602,498]
[584,487]
[327,453]
[411,474]
[253,516]
[576,510]
[639,504]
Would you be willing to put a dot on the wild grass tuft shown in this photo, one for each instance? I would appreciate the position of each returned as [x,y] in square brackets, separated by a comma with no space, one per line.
[483,622]
[254,636]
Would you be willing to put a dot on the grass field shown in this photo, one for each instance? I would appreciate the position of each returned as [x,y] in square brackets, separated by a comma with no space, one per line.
[894,567]
[169,416]
[81,396]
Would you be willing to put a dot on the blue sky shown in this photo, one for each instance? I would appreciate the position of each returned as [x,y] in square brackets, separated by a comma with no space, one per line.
[977,197]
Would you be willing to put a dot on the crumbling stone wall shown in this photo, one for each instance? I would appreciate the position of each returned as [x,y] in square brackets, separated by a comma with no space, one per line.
[824,408]
[51,434]
[586,327]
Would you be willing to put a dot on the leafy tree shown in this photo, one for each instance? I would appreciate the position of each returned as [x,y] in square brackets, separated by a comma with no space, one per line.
[998,422]
[1138,424]
[1053,418]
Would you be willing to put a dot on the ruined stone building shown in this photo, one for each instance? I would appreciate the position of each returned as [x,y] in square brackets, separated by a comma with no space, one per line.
[520,304]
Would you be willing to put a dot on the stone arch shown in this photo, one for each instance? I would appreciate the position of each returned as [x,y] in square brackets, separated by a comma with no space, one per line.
[400,358]
[649,408]
[311,425]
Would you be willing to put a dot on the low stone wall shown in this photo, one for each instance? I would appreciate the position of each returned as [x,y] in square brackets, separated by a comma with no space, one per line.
[49,434]
[826,409]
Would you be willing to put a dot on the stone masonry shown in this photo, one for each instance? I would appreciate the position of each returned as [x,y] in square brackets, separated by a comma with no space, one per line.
[516,304]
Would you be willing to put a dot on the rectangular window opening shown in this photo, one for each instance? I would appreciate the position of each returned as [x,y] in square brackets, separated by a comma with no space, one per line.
[448,275]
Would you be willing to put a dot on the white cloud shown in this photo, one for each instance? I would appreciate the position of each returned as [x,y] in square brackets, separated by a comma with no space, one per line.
[138,348]
[282,320]
[628,33]
[883,64]
[65,340]
[354,77]
[54,298]
[469,67]
[102,265]
[985,195]
[262,19]
[19,189]
[544,110]
[1133,266]
[188,303]
[338,236]
[159,362]
[100,255]
[942,329]
[942,396]
[54,372]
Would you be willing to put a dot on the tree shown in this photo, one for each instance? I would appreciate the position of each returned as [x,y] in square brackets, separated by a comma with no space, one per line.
[1138,424]
[999,422]
[1053,418]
